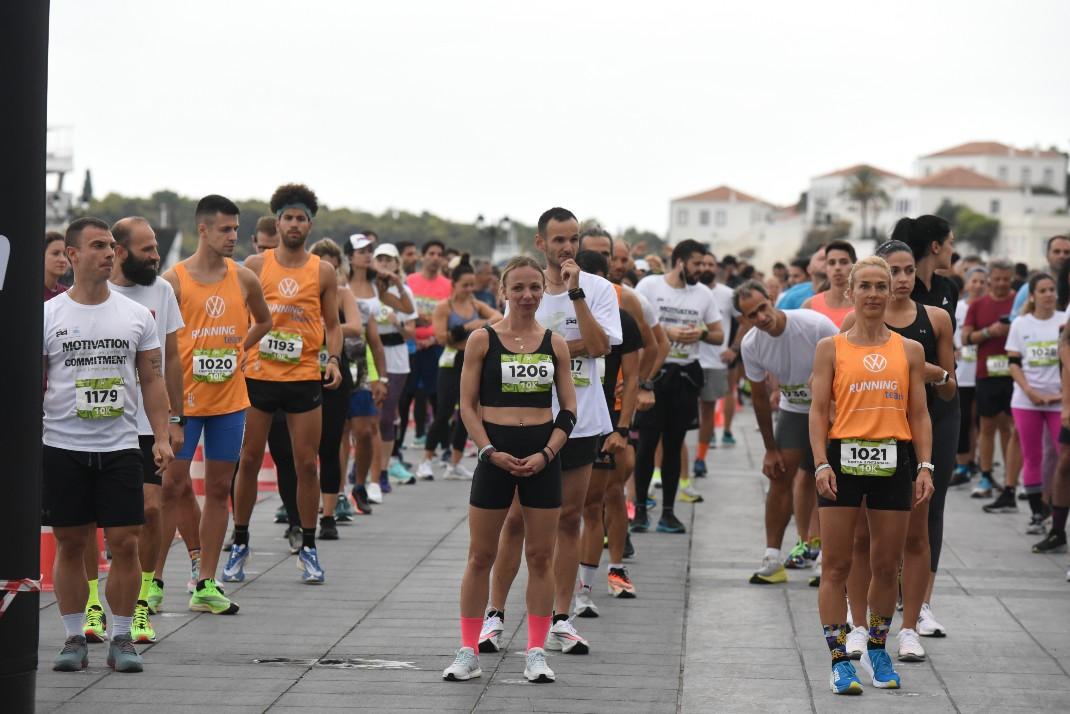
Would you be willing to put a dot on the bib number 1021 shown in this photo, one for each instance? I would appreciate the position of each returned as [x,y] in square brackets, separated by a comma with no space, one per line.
[867,453]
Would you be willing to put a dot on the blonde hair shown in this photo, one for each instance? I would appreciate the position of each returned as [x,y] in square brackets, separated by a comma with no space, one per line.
[520,261]
[872,261]
[325,247]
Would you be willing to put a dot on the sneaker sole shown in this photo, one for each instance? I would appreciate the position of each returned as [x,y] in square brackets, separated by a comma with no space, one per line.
[879,685]
[144,639]
[1056,549]
[129,669]
[587,612]
[910,657]
[757,579]
[540,679]
[622,595]
[65,668]
[94,638]
[232,610]
[577,648]
[1006,509]
[454,678]
[489,646]
[673,531]
[936,634]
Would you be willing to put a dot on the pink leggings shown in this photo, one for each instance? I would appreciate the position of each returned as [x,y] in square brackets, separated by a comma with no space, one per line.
[1030,424]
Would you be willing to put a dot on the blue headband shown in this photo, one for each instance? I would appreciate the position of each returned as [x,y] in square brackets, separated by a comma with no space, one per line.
[298,205]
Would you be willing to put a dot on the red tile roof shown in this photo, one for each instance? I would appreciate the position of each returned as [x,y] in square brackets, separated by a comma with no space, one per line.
[725,194]
[850,170]
[959,177]
[990,148]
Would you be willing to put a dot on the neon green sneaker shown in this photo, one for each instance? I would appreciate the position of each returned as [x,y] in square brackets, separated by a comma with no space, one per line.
[95,628]
[209,597]
[154,597]
[140,628]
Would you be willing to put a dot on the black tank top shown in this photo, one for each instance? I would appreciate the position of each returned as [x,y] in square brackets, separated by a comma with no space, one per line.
[922,332]
[515,379]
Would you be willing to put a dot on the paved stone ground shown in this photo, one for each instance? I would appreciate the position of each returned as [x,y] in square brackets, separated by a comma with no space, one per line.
[377,635]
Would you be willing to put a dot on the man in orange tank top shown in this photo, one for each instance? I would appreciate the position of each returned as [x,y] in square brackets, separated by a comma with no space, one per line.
[216,297]
[284,373]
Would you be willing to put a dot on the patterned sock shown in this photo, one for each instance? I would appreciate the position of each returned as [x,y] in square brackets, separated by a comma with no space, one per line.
[836,637]
[94,595]
[878,631]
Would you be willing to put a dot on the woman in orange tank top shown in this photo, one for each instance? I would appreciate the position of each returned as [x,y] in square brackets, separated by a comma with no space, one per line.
[833,303]
[876,379]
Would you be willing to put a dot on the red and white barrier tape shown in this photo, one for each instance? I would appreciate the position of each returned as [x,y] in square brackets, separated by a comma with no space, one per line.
[13,587]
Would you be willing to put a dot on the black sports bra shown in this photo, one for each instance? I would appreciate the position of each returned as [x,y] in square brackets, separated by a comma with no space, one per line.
[517,379]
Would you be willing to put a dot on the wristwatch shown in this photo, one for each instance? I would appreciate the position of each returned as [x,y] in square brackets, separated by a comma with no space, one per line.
[576,294]
[943,380]
[622,430]
[647,385]
[180,420]
[926,465]
[384,380]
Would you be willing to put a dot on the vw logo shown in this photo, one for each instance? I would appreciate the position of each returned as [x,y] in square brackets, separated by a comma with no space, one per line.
[288,287]
[874,362]
[215,306]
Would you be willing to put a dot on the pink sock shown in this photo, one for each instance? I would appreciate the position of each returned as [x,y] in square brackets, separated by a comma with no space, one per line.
[538,628]
[470,629]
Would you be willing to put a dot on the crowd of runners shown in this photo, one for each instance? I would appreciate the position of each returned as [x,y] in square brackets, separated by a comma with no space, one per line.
[572,377]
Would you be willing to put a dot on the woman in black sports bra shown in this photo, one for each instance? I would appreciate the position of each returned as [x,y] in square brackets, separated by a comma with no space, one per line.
[509,371]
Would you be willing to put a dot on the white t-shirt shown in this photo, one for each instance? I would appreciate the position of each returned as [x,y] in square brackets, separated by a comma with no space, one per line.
[92,399]
[557,313]
[709,356]
[650,315]
[160,299]
[789,356]
[966,364]
[397,356]
[1037,341]
[689,306]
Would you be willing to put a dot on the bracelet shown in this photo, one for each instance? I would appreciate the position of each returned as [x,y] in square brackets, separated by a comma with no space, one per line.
[484,454]
[552,455]
[548,459]
[821,467]
[335,358]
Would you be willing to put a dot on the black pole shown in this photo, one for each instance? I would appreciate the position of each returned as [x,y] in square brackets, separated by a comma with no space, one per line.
[24,88]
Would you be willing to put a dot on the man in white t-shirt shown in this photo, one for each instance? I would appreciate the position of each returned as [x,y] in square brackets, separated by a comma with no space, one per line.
[137,260]
[781,344]
[97,347]
[582,308]
[715,360]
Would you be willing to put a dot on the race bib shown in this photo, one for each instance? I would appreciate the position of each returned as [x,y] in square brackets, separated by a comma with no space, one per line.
[100,398]
[527,374]
[581,372]
[1042,354]
[448,358]
[323,357]
[214,365]
[678,350]
[998,366]
[798,394]
[868,458]
[383,318]
[281,346]
[969,353]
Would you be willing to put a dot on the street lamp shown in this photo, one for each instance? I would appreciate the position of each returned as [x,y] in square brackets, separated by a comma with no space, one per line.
[493,232]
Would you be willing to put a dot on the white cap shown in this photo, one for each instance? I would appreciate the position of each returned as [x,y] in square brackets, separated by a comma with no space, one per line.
[358,241]
[387,249]
[641,264]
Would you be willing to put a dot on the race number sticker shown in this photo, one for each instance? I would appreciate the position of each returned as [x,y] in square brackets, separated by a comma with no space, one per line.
[448,358]
[323,357]
[1042,354]
[281,346]
[798,394]
[998,366]
[679,350]
[868,458]
[969,353]
[100,398]
[215,365]
[527,374]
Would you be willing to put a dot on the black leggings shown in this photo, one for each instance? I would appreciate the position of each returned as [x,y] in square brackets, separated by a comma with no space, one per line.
[967,419]
[335,409]
[282,454]
[449,391]
[673,414]
[945,421]
[409,395]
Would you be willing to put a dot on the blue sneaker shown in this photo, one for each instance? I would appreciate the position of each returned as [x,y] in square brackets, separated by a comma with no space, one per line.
[641,522]
[669,523]
[419,441]
[700,468]
[399,473]
[727,439]
[234,570]
[651,503]
[343,510]
[844,679]
[878,665]
[308,563]
[384,483]
[983,489]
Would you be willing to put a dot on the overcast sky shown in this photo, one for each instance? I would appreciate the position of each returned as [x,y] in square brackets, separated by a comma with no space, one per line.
[506,108]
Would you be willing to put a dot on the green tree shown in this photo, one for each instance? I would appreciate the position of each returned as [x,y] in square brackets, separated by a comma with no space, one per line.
[864,188]
[969,226]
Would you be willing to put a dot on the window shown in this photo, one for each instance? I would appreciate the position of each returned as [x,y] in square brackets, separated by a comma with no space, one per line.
[681,216]
[993,206]
[1027,176]
[1049,177]
[902,205]
[719,218]
[1003,173]
[704,217]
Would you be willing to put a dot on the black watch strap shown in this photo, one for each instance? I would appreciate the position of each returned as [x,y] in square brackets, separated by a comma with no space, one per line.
[647,385]
[622,430]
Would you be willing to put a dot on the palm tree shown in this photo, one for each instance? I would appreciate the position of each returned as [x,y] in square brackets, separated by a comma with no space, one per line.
[864,188]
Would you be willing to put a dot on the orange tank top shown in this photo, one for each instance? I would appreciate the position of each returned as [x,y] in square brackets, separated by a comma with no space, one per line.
[870,389]
[290,351]
[210,343]
[818,303]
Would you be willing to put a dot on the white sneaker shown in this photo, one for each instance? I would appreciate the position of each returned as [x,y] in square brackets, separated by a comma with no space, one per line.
[375,493]
[584,606]
[490,635]
[856,642]
[536,669]
[927,624]
[465,666]
[425,471]
[564,638]
[458,472]
[910,649]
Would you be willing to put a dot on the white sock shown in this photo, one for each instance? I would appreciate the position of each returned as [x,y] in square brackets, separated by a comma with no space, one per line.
[618,566]
[73,623]
[772,553]
[120,625]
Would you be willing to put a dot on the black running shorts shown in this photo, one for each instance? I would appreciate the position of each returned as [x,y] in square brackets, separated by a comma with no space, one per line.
[993,396]
[290,397]
[881,493]
[148,461]
[80,487]
[494,488]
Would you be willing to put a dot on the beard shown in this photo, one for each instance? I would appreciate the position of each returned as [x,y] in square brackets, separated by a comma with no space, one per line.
[707,278]
[689,278]
[138,271]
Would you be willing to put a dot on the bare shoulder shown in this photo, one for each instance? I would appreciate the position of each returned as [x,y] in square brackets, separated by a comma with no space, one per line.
[478,340]
[808,303]
[254,263]
[247,276]
[939,318]
[914,351]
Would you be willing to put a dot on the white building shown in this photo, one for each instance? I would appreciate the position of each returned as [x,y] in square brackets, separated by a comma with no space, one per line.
[827,202]
[720,216]
[1017,167]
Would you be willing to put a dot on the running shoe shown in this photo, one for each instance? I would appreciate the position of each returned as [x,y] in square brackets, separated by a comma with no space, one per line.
[927,624]
[1036,525]
[689,494]
[584,606]
[669,523]
[384,483]
[1004,503]
[857,640]
[536,669]
[74,656]
[651,503]
[295,537]
[122,657]
[446,457]
[620,584]
[465,666]
[426,470]
[140,628]
[815,579]
[796,559]
[419,441]
[771,572]
[629,549]
[194,573]
[234,570]
[960,477]
[399,472]
[308,563]
[375,492]
[878,666]
[281,516]
[328,528]
[699,469]
[209,597]
[360,500]
[458,472]
[727,439]
[343,510]
[1055,542]
[641,522]
[490,635]
[564,638]
[155,596]
[910,649]
[95,628]
[983,489]
[844,679]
